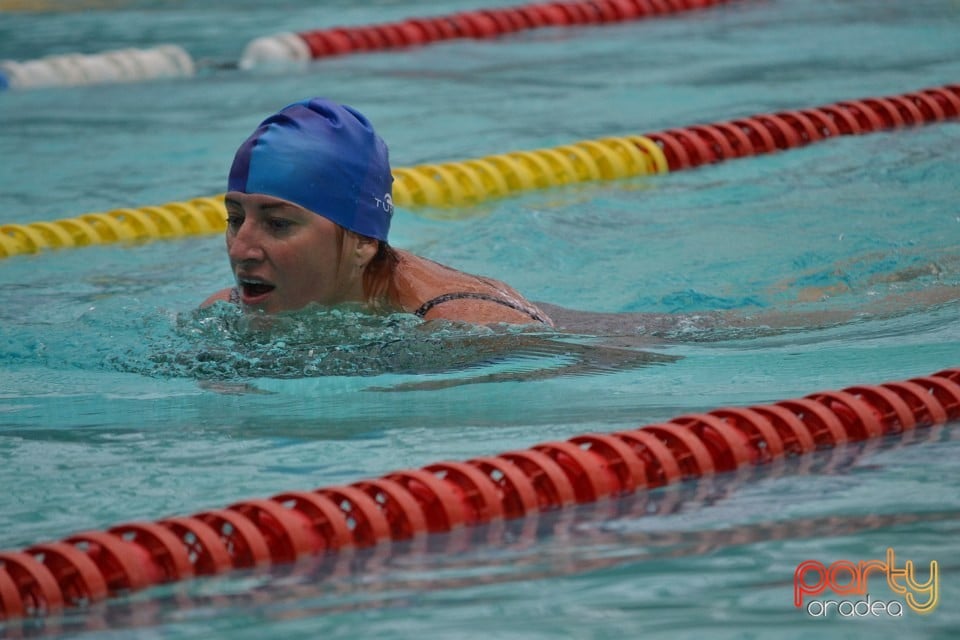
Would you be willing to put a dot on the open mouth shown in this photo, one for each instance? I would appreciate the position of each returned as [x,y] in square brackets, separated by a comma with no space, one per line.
[253,291]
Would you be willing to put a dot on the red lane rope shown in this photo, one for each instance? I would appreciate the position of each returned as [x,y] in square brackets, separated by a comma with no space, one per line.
[487,23]
[94,565]
[692,146]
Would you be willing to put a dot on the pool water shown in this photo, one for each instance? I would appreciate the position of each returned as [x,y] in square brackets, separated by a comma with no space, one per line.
[119,401]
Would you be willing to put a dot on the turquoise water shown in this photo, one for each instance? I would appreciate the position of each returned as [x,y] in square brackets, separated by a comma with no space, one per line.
[118,402]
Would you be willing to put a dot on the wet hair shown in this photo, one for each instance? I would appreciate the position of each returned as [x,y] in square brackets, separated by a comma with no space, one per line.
[379,288]
[378,282]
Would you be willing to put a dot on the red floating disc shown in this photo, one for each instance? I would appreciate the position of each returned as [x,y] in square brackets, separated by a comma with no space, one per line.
[11,604]
[661,465]
[587,472]
[287,532]
[763,439]
[517,494]
[691,454]
[860,420]
[77,575]
[204,547]
[124,565]
[370,525]
[795,435]
[326,519]
[893,411]
[821,423]
[37,590]
[480,493]
[728,447]
[442,506]
[239,535]
[625,467]
[166,550]
[401,509]
[551,483]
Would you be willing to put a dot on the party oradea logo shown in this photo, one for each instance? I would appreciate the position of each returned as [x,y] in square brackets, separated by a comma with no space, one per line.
[851,583]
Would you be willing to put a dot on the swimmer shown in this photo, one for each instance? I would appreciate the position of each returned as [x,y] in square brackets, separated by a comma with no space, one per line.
[309,205]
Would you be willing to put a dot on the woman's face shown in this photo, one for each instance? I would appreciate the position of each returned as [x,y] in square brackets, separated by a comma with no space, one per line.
[284,256]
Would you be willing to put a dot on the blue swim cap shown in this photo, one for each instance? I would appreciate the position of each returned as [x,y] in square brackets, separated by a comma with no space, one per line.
[325,157]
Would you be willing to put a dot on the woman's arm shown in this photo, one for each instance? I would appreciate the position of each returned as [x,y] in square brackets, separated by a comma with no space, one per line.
[660,326]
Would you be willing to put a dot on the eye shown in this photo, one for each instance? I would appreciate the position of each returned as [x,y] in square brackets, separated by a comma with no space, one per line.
[234,221]
[279,224]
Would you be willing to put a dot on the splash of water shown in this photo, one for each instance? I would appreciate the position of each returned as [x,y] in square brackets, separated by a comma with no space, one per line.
[223,343]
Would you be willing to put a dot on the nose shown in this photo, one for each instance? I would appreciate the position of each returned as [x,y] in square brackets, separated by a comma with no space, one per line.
[244,244]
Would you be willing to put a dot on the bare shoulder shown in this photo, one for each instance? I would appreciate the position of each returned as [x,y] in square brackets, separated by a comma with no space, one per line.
[483,311]
[223,294]
[438,292]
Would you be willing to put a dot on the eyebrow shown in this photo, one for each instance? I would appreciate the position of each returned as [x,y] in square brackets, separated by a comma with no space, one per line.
[267,207]
[273,206]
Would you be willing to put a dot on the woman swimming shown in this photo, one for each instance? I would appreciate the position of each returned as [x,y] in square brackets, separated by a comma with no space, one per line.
[309,207]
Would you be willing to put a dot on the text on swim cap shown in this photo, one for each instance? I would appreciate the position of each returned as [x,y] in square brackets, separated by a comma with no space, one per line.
[385,203]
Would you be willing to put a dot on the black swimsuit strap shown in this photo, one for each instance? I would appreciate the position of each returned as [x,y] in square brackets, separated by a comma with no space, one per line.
[469,295]
[460,295]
